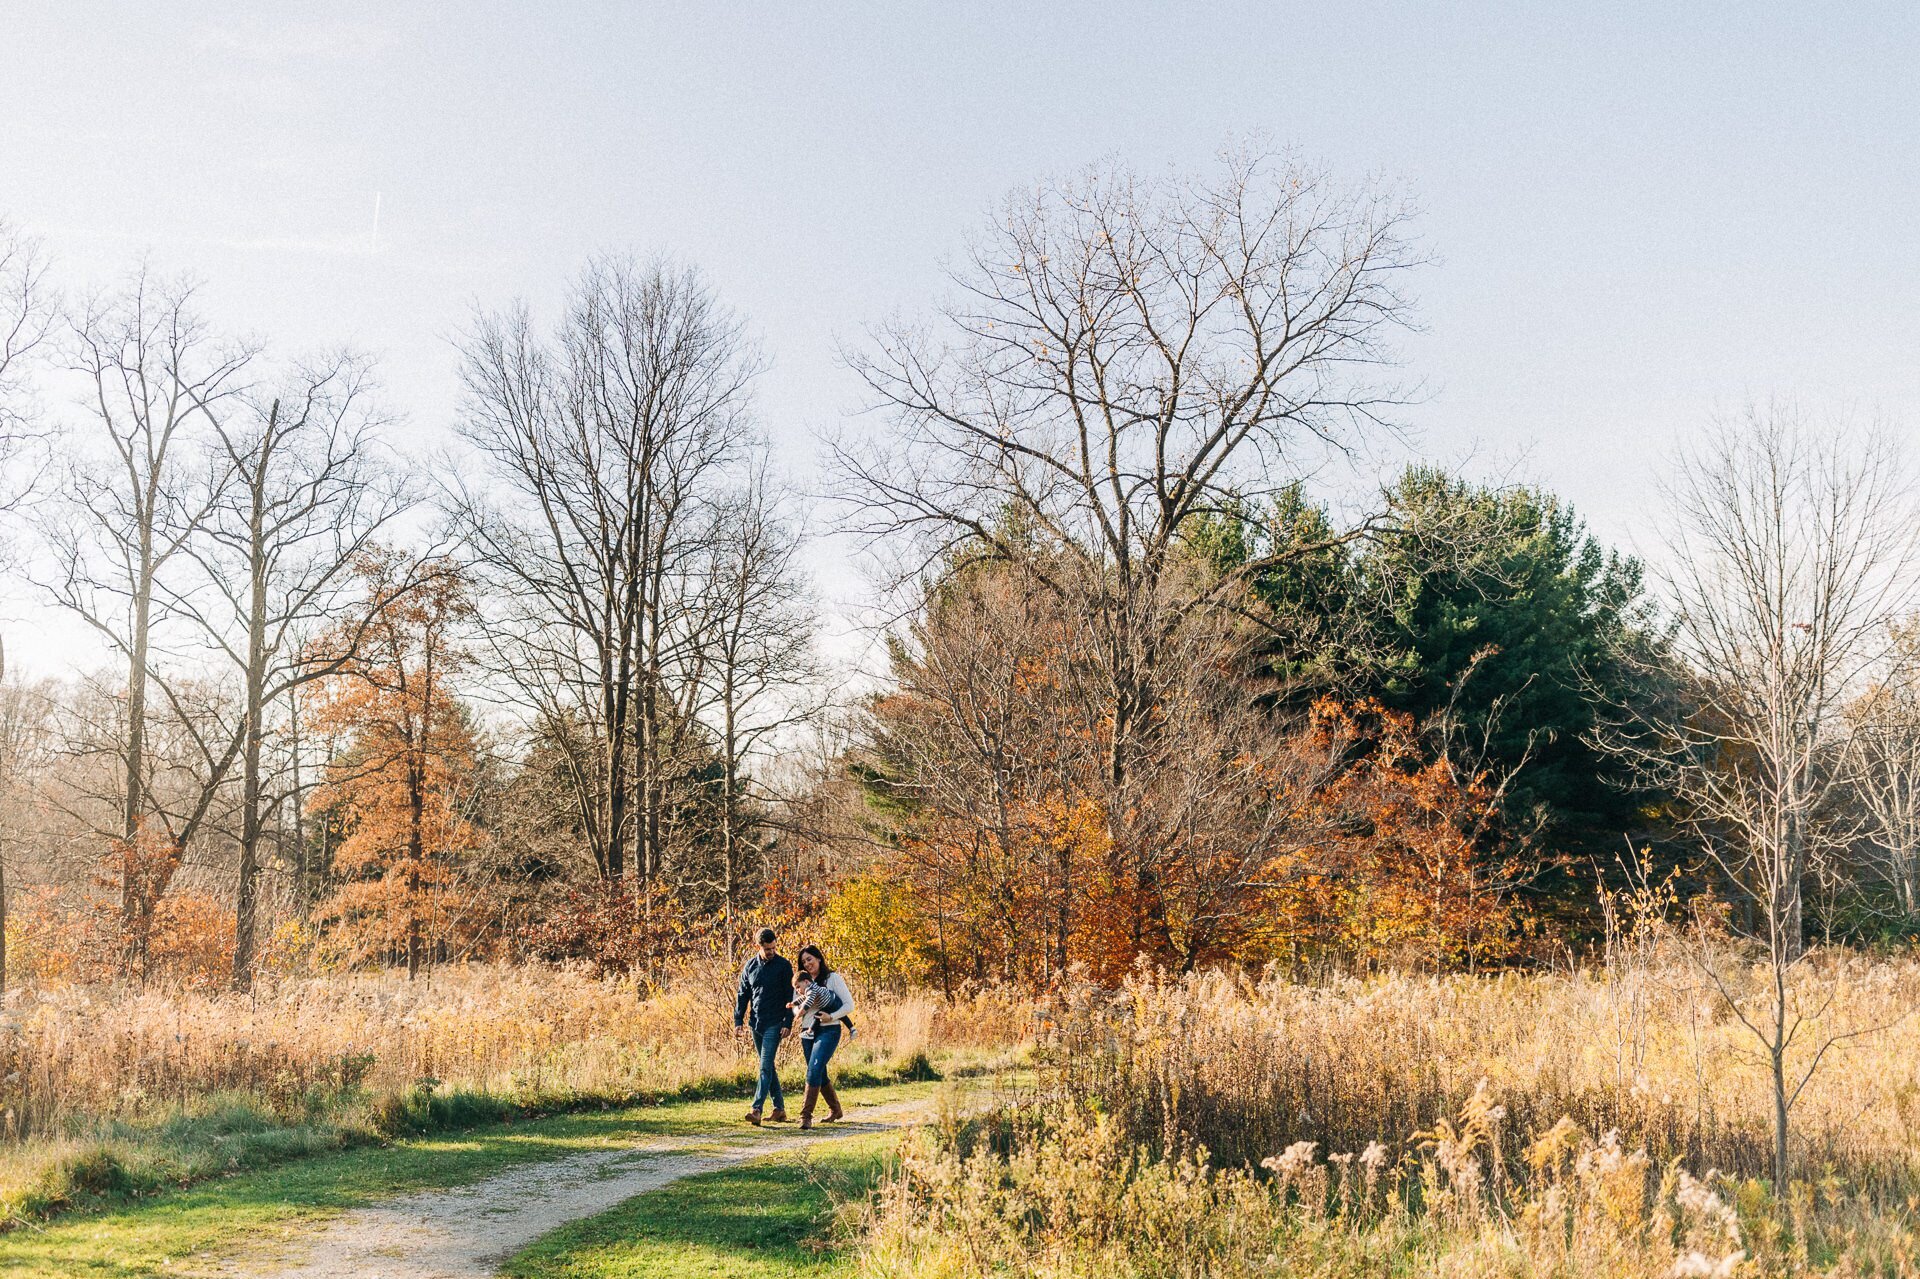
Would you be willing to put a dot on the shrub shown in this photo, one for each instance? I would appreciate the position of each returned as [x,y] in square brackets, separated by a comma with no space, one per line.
[1062,1191]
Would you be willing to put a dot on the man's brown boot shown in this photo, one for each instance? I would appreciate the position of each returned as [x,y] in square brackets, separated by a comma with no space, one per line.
[753,1117]
[777,1117]
[806,1108]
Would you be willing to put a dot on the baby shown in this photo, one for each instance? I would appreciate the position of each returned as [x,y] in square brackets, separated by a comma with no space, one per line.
[809,999]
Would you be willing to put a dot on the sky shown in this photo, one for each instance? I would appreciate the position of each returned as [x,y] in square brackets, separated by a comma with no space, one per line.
[1640,215]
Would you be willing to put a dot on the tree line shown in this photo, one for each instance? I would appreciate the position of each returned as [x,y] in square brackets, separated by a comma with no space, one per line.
[1153,694]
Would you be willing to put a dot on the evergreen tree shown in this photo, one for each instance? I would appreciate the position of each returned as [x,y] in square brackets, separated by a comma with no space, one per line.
[1488,614]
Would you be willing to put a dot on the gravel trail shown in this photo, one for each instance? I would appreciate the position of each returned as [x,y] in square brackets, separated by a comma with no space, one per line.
[468,1231]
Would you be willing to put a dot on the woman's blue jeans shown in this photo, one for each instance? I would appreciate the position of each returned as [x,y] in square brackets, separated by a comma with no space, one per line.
[819,1053]
[767,1040]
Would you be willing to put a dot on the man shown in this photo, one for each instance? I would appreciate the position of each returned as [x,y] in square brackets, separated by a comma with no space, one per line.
[760,1010]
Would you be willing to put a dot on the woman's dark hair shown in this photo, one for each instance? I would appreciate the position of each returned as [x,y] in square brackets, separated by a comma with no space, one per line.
[825,971]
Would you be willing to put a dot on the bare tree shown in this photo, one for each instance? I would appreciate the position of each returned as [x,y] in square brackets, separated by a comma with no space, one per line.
[1884,752]
[27,314]
[1126,357]
[606,448]
[1792,550]
[157,380]
[302,496]
[26,734]
[763,677]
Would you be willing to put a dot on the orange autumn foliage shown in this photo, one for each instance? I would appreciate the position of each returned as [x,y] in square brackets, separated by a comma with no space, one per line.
[139,871]
[1011,902]
[55,935]
[398,787]
[1408,869]
[1383,853]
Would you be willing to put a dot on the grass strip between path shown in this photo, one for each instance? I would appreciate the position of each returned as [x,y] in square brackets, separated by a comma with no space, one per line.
[768,1219]
[117,1161]
[185,1232]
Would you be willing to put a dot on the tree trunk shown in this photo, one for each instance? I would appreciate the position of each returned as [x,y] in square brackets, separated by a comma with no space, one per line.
[1793,925]
[1780,1116]
[3,861]
[252,816]
[301,888]
[416,849]
[136,741]
[729,814]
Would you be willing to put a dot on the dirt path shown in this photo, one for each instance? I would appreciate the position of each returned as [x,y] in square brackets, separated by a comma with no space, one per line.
[466,1232]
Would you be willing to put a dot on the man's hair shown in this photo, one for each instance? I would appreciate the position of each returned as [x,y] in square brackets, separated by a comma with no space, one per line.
[766,936]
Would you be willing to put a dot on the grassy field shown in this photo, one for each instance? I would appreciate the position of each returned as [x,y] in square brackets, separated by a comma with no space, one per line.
[1611,1124]
[184,1231]
[1606,1122]
[107,1093]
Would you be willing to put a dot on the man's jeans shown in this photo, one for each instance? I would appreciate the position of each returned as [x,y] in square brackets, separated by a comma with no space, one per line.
[768,1042]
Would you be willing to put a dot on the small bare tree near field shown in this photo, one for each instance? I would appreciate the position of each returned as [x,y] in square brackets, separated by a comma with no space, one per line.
[1790,552]
[1884,758]
[606,448]
[763,674]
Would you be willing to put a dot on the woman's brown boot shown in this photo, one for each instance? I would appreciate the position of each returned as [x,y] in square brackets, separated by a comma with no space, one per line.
[833,1104]
[806,1108]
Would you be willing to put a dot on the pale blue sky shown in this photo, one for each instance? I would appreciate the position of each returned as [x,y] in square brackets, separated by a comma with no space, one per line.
[1640,212]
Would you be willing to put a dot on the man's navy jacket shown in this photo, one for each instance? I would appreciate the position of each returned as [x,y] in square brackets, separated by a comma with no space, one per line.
[766,988]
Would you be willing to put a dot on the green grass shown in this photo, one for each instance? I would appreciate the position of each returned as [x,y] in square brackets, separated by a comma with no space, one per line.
[110,1161]
[184,1231]
[769,1219]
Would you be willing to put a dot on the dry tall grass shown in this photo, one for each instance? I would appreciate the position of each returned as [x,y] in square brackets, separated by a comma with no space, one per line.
[371,1054]
[1614,1122]
[534,1033]
[1246,1068]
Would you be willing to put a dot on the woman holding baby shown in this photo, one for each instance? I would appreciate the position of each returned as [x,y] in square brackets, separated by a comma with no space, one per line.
[822,1003]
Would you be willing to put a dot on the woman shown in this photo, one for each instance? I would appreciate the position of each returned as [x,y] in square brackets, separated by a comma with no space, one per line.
[820,1034]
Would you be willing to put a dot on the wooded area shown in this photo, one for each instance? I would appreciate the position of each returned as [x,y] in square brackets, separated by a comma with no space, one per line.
[1161,687]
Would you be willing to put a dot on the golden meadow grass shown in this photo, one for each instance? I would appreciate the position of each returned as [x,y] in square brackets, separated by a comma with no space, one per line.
[1611,1122]
[1432,1110]
[1247,1068]
[314,1061]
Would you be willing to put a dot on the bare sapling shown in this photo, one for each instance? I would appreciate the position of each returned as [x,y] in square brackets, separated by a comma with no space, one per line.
[1791,550]
[1883,761]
